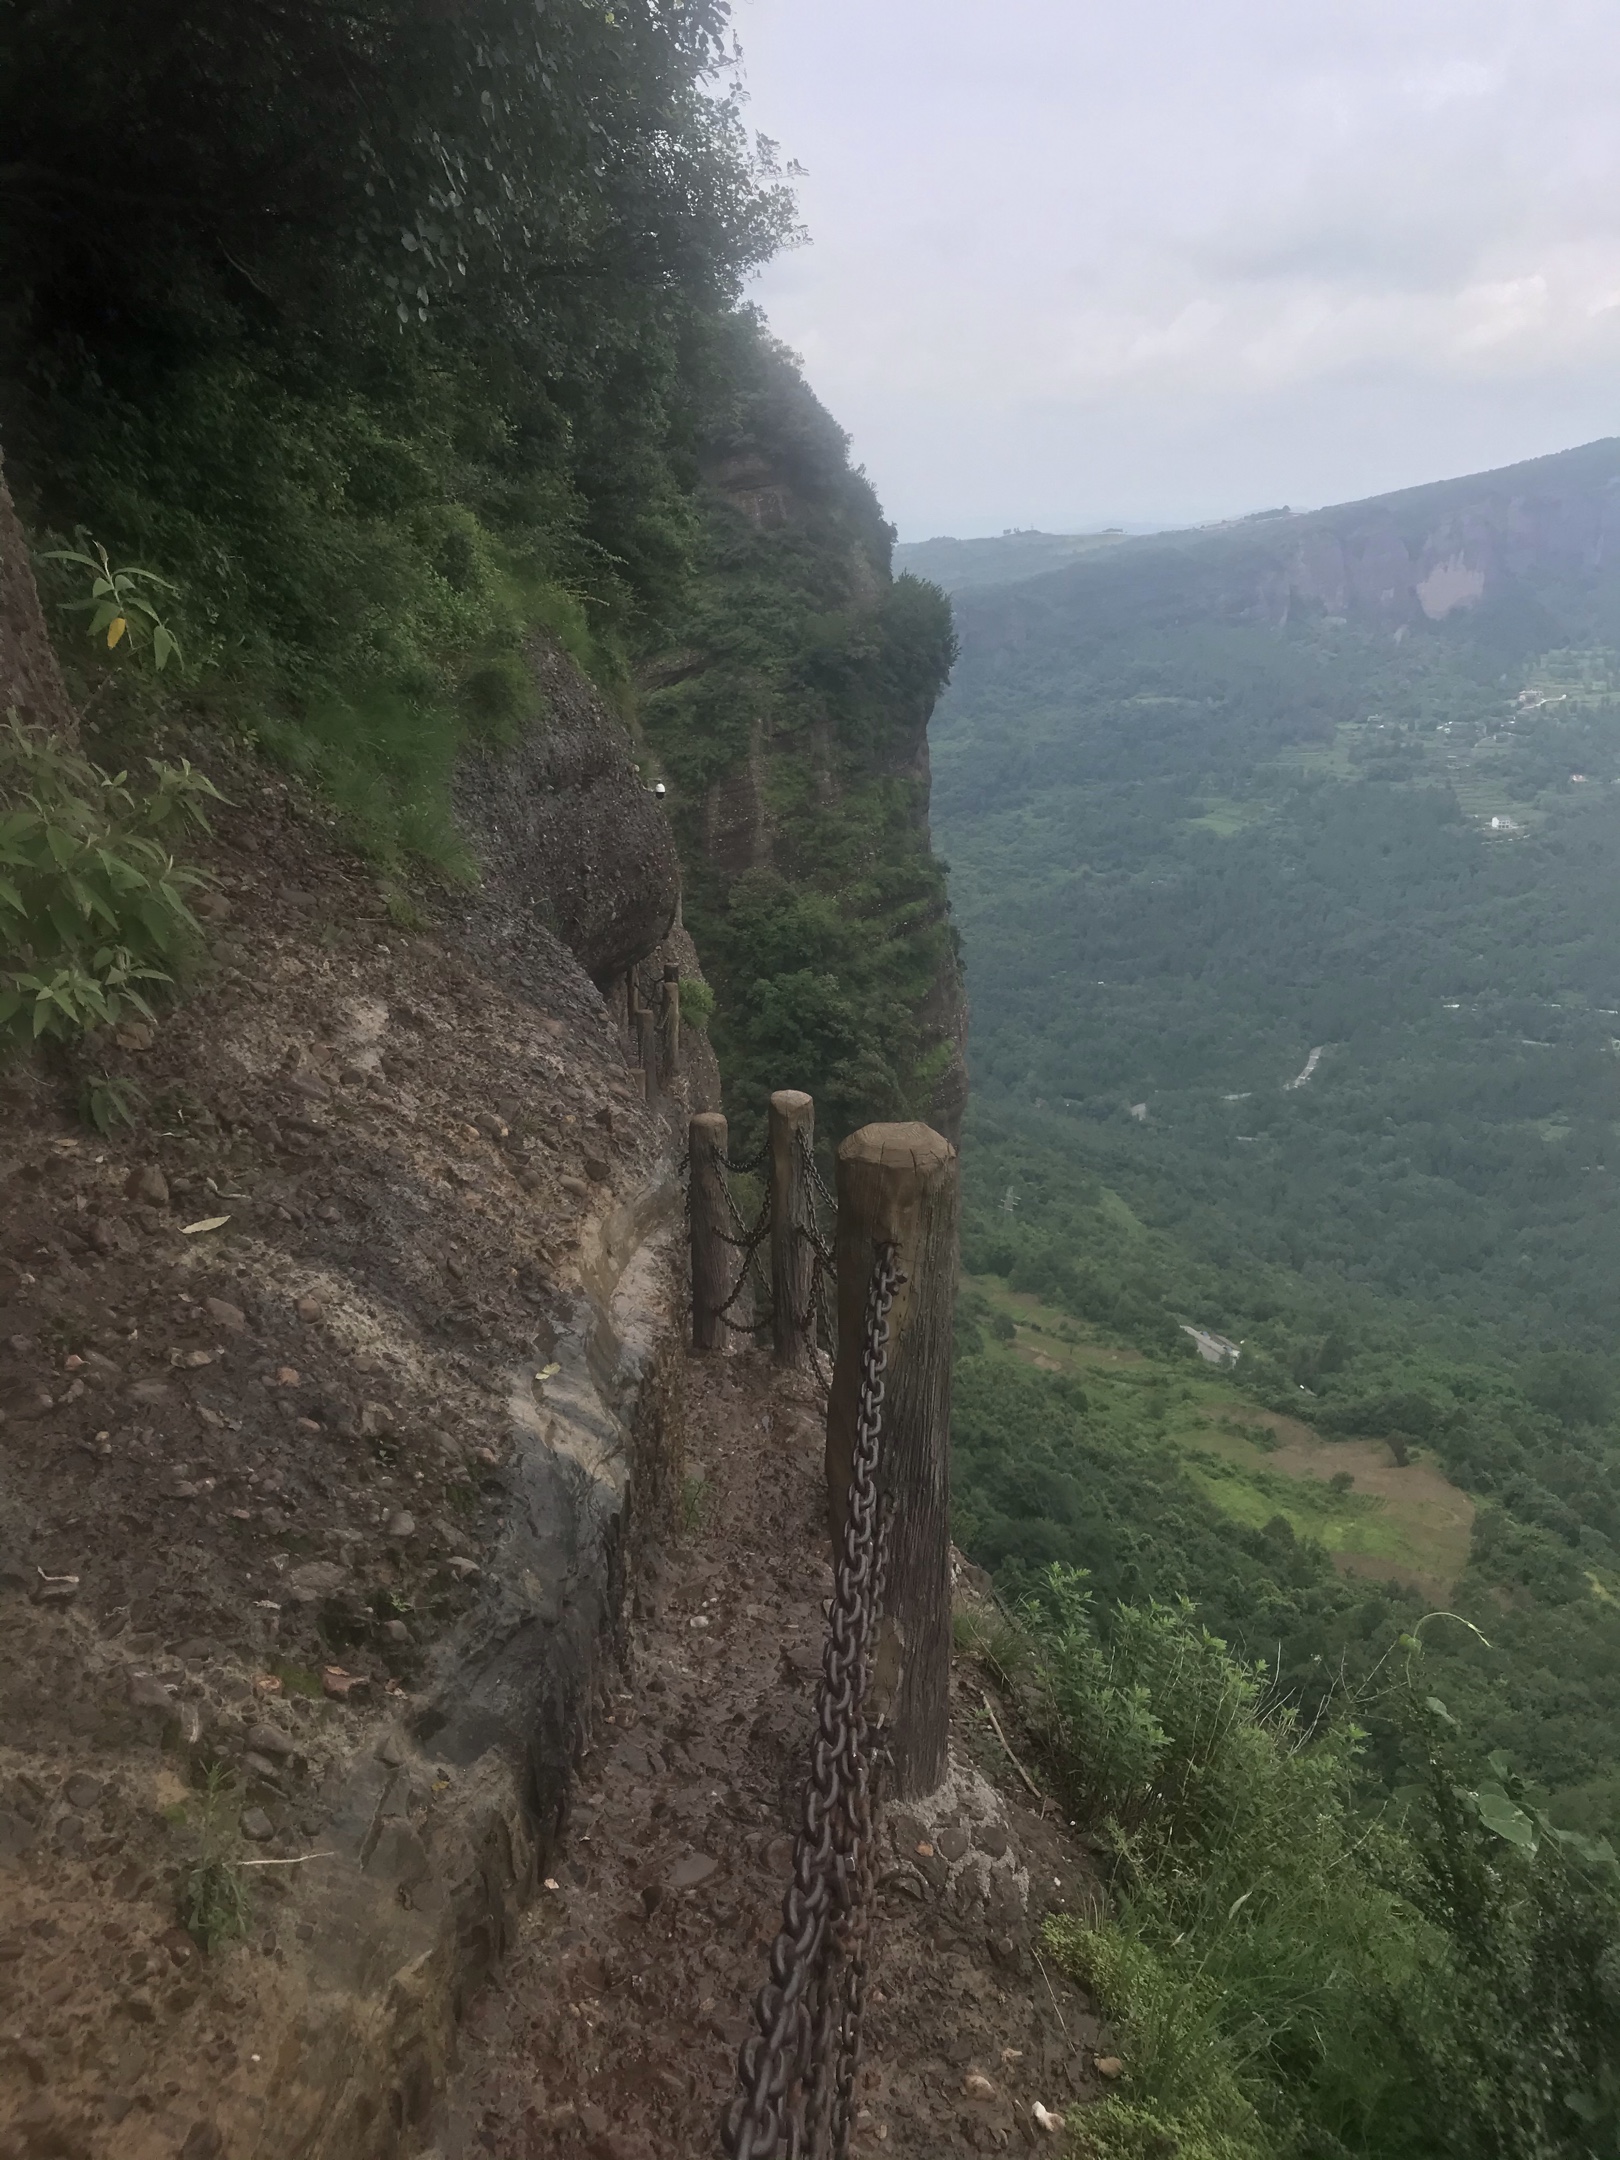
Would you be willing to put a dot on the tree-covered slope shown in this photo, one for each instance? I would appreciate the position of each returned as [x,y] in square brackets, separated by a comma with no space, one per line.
[1289,899]
[393,337]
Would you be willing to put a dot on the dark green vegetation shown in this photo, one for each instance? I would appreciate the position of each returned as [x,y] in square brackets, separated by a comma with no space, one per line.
[393,335]
[1215,803]
[1296,1971]
[89,890]
[792,734]
[384,332]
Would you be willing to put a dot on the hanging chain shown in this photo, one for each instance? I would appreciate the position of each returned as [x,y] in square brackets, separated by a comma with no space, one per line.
[818,1322]
[796,2073]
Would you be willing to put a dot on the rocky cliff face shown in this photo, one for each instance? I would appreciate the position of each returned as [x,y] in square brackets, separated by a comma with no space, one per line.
[1428,552]
[567,833]
[30,681]
[792,724]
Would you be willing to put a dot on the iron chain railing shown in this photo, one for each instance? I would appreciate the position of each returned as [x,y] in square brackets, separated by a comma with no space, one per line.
[819,1319]
[796,2072]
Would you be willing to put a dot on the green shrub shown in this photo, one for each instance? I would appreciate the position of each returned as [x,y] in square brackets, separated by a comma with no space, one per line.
[697,1002]
[93,914]
[1294,1967]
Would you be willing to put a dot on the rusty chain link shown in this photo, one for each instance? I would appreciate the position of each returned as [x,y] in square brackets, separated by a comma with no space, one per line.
[796,2073]
[807,1156]
[817,1323]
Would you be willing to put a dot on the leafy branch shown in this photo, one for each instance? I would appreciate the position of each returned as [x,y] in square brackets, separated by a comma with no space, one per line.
[93,906]
[118,606]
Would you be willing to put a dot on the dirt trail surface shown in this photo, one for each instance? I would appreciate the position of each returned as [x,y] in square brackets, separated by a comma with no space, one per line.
[612,2032]
[323,1396]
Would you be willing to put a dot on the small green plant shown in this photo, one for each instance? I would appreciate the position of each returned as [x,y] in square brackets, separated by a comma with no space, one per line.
[93,913]
[106,1102]
[214,1901]
[694,1504]
[697,1002]
[118,607]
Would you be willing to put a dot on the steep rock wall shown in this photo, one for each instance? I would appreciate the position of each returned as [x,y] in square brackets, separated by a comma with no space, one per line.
[792,724]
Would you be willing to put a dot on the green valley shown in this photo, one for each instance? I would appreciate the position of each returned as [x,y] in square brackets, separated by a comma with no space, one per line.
[1286,861]
[1288,896]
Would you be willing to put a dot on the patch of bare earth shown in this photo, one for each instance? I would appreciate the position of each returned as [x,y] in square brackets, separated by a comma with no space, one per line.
[613,2031]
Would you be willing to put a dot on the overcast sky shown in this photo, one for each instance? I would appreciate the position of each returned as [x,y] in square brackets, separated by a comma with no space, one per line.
[1158,261]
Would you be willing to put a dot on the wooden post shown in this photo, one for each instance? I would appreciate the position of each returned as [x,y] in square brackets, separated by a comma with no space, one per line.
[669,1048]
[898,1184]
[706,1154]
[647,1051]
[792,1259]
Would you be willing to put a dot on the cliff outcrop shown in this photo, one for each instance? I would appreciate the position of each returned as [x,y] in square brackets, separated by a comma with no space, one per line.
[791,721]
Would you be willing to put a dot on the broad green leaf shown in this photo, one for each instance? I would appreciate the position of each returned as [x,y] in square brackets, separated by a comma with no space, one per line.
[1597,1852]
[1499,1815]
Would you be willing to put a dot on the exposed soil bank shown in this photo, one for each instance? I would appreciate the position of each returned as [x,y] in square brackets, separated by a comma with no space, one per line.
[314,1524]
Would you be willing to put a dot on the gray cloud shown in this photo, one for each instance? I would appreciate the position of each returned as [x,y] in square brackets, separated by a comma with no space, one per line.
[1073,266]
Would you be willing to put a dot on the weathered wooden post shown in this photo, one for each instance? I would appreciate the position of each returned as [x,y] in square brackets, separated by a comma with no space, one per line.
[898,1184]
[669,1029]
[706,1160]
[647,1051]
[792,1128]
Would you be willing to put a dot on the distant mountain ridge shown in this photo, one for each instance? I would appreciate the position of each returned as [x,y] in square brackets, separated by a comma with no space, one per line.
[957,565]
[1534,545]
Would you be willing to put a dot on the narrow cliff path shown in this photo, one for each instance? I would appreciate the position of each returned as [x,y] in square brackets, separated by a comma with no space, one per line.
[612,2031]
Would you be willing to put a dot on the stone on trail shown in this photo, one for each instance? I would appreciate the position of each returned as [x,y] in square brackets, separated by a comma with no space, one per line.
[149,1185]
[271,1740]
[694,1869]
[314,1579]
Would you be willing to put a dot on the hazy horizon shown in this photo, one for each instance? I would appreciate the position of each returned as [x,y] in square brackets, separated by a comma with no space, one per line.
[1163,269]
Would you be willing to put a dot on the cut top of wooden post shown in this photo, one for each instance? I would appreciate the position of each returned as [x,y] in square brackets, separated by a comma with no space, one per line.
[913,1147]
[890,1173]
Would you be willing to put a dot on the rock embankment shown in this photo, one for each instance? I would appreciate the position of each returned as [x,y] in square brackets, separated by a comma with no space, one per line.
[336,1395]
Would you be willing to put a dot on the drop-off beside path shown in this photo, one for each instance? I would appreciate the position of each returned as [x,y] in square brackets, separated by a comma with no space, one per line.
[613,2029]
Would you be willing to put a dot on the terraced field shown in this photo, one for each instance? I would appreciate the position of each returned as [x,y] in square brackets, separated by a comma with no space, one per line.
[1376,1519]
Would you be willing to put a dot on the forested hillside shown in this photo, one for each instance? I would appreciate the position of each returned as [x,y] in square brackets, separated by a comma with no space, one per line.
[388,340]
[1286,858]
